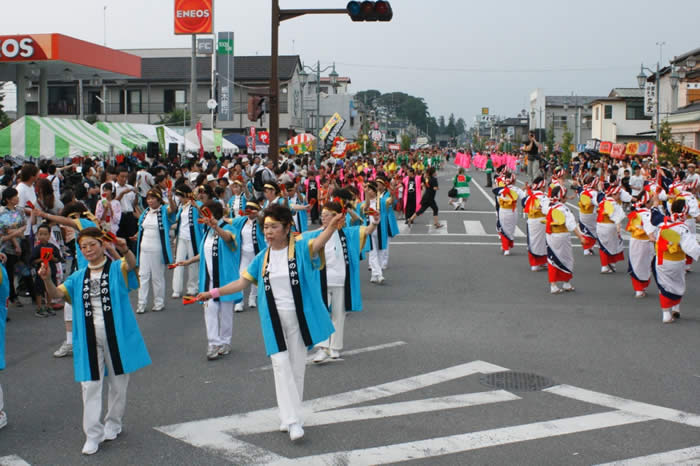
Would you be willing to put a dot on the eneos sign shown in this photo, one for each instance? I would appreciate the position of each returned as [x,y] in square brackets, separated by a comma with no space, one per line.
[21,48]
[194,16]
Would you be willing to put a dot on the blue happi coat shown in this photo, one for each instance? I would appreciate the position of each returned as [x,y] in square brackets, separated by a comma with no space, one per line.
[318,323]
[196,228]
[391,216]
[4,294]
[300,216]
[238,224]
[233,211]
[356,238]
[228,262]
[120,323]
[164,228]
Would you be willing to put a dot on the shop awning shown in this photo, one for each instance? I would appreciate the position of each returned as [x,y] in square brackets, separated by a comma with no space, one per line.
[41,137]
[126,133]
[690,150]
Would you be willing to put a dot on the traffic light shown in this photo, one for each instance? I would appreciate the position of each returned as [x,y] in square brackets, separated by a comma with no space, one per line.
[256,107]
[370,11]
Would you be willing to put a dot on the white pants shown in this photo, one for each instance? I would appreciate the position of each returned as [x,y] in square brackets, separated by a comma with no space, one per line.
[336,301]
[384,254]
[218,317]
[185,251]
[246,259]
[459,202]
[92,395]
[152,269]
[67,313]
[375,263]
[288,368]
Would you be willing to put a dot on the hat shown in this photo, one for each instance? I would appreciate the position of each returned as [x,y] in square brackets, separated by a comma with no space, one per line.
[252,205]
[245,159]
[211,178]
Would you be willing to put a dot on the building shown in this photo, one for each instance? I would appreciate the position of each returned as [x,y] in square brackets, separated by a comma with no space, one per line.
[332,95]
[620,117]
[561,113]
[684,81]
[513,130]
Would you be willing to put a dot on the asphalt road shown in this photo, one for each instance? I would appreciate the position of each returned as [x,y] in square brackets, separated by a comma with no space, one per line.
[624,385]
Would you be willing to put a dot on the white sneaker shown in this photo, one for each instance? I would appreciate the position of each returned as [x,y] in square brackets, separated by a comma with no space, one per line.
[605,269]
[91,446]
[284,428]
[321,355]
[506,252]
[568,287]
[335,354]
[112,434]
[252,304]
[587,252]
[667,317]
[66,349]
[639,294]
[140,310]
[175,296]
[676,311]
[373,279]
[212,352]
[224,349]
[238,307]
[380,280]
[554,289]
[3,419]
[295,432]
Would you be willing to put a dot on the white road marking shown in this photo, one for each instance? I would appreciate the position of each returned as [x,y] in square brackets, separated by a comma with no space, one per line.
[488,196]
[474,228]
[12,460]
[480,212]
[310,357]
[629,406]
[438,231]
[471,441]
[684,456]
[519,233]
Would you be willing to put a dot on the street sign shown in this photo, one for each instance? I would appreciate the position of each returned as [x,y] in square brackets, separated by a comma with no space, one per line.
[650,99]
[484,110]
[205,46]
[376,135]
[224,69]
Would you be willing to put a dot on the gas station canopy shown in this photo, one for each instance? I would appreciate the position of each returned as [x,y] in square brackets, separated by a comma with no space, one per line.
[61,58]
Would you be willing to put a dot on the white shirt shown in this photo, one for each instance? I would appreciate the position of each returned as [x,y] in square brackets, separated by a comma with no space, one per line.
[335,262]
[247,247]
[637,184]
[144,182]
[150,241]
[208,249]
[26,193]
[96,298]
[184,232]
[56,185]
[128,199]
[278,268]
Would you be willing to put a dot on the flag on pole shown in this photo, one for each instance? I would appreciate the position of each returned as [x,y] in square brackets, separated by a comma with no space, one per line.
[218,142]
[198,127]
[160,131]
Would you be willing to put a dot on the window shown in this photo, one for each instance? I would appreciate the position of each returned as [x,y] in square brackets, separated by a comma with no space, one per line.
[608,112]
[173,99]
[63,100]
[635,111]
[597,113]
[559,121]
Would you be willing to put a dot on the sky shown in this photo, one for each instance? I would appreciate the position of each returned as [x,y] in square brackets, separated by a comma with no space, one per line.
[458,55]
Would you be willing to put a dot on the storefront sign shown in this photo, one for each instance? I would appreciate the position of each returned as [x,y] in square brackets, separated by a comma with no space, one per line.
[650,99]
[194,16]
[22,48]
[224,70]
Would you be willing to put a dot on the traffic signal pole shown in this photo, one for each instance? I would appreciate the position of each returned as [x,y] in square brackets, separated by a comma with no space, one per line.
[277,17]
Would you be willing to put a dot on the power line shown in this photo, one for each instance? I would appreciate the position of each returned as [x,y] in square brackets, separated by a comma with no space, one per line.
[490,70]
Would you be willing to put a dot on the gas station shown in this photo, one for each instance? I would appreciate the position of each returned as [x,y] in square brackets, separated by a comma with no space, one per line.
[32,60]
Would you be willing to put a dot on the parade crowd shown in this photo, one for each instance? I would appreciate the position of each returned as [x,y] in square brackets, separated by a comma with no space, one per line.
[288,239]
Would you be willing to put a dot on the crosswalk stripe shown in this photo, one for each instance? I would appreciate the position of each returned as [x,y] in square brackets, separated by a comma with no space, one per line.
[12,460]
[474,228]
[472,441]
[684,456]
[438,231]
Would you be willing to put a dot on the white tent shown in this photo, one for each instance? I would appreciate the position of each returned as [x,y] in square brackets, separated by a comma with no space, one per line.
[192,143]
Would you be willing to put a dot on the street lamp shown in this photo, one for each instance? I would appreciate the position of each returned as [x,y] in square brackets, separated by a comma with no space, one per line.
[334,82]
[303,79]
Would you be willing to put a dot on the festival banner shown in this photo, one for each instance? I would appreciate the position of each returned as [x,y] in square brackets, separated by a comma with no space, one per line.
[323,134]
[160,131]
[218,142]
[198,128]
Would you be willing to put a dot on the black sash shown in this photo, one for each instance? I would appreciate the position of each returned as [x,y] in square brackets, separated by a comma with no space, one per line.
[108,316]
[346,286]
[254,234]
[298,302]
[193,236]
[215,280]
[379,225]
[161,231]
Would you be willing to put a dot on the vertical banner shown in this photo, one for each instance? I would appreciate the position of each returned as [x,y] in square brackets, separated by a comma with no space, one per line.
[198,127]
[224,68]
[218,142]
[250,140]
[160,131]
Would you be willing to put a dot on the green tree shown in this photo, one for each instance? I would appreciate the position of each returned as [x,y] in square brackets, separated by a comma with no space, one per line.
[175,118]
[566,141]
[549,141]
[668,148]
[367,97]
[441,125]
[405,142]
[4,119]
[461,126]
[451,128]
